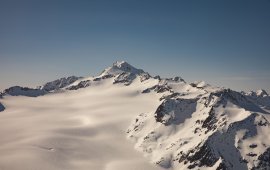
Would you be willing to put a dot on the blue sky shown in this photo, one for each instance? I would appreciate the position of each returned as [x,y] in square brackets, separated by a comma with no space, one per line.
[224,42]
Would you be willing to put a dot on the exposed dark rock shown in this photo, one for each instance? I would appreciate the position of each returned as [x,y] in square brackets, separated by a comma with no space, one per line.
[103,77]
[159,114]
[251,154]
[24,91]
[161,89]
[201,155]
[2,108]
[176,79]
[158,89]
[264,161]
[193,84]
[144,77]
[146,91]
[157,77]
[126,78]
[210,122]
[197,130]
[82,84]
[170,96]
[199,85]
[263,122]
[175,111]
[253,146]
[59,83]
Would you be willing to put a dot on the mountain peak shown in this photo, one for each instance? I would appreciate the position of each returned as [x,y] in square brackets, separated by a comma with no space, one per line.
[258,93]
[126,67]
[120,64]
[119,67]
[261,93]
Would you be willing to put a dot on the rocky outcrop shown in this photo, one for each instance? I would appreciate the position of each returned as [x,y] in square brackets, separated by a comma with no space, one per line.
[59,83]
[24,91]
[175,111]
[126,78]
[264,160]
[80,85]
[103,77]
[2,108]
[201,155]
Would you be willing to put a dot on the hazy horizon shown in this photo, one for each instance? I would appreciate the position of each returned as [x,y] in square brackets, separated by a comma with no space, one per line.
[225,43]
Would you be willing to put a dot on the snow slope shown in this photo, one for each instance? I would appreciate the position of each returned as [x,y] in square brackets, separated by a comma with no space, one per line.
[82,129]
[216,130]
[82,123]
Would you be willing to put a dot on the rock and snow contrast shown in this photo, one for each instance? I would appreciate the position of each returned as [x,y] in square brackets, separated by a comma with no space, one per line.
[125,118]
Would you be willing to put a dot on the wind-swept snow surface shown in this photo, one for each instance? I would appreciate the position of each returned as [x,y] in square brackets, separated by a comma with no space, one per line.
[77,130]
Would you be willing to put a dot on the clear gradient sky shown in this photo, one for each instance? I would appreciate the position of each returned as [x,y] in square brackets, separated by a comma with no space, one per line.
[224,42]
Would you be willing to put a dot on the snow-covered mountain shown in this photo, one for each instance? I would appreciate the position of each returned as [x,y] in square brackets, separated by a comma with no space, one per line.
[53,86]
[23,91]
[260,97]
[176,125]
[59,83]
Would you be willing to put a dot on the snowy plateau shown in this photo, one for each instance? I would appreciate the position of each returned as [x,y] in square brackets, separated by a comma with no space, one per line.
[126,119]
